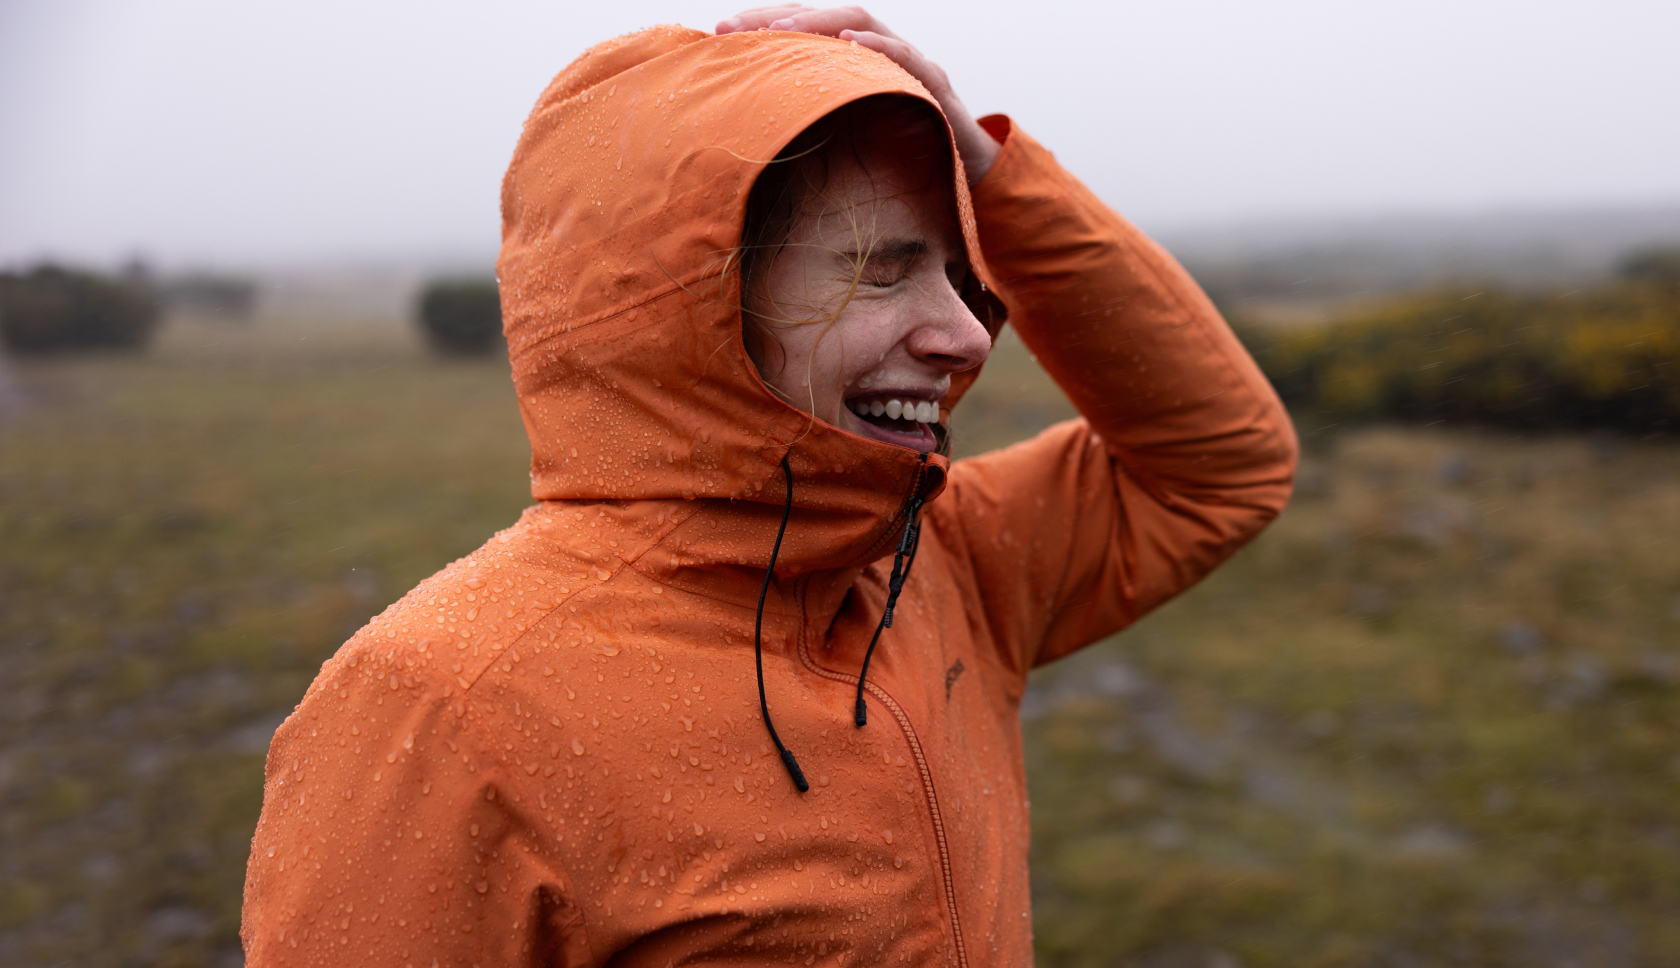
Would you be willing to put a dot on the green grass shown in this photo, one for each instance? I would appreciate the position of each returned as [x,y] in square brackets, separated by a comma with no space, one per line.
[1429,718]
[184,537]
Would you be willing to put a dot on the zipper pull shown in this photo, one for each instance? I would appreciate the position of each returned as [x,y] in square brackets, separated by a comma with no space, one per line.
[903,558]
[913,525]
[906,545]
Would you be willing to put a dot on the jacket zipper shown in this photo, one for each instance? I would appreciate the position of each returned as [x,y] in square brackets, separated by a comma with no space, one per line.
[947,879]
[890,532]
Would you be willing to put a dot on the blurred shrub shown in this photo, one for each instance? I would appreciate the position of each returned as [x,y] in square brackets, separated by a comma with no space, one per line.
[225,297]
[1604,358]
[53,308]
[1658,264]
[462,316]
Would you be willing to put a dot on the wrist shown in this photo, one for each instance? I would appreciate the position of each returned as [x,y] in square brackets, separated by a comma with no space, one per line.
[979,152]
[978,149]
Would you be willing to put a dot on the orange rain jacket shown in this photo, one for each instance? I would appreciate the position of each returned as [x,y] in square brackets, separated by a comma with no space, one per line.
[551,751]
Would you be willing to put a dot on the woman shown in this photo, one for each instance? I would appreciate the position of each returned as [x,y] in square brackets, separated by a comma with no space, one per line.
[634,728]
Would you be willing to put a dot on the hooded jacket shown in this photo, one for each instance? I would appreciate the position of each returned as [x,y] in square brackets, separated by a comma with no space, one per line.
[551,752]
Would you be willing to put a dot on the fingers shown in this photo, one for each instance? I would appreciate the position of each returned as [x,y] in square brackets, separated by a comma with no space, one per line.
[905,55]
[831,21]
[900,52]
[760,17]
[976,148]
[855,24]
[797,17]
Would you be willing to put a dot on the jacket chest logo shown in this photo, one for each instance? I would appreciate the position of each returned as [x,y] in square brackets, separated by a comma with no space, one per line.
[951,675]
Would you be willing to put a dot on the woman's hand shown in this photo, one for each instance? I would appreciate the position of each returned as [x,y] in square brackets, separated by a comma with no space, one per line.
[976,147]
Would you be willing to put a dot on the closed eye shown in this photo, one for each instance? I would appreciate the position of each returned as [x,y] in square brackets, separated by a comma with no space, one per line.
[880,275]
[887,264]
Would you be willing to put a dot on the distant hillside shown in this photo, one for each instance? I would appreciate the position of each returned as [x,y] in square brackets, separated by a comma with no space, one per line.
[1308,265]
[1280,269]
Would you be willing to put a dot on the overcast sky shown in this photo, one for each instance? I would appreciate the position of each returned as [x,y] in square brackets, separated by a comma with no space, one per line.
[272,132]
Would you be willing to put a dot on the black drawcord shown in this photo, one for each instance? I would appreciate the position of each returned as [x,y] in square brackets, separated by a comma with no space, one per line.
[903,558]
[758,641]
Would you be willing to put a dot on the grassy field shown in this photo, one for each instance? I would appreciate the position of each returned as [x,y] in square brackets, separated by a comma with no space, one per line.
[1430,718]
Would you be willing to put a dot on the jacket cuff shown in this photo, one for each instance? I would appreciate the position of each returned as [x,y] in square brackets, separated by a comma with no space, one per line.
[998,126]
[1022,165]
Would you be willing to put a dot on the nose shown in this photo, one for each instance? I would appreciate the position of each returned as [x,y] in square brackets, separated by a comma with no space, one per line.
[947,335]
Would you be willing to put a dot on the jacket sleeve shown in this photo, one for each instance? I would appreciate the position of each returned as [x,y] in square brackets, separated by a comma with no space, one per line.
[391,834]
[1182,452]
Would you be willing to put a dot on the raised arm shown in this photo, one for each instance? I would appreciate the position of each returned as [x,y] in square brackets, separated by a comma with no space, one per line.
[1183,451]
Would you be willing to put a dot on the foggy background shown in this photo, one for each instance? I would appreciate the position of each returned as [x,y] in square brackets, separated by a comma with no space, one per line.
[369,138]
[1430,717]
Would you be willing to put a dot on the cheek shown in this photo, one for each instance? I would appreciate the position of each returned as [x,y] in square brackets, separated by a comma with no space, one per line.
[869,334]
[805,349]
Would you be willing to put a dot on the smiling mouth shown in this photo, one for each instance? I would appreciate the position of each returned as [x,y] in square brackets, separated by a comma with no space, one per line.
[902,415]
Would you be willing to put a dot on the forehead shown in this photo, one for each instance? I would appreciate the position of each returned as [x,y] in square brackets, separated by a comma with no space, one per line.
[887,186]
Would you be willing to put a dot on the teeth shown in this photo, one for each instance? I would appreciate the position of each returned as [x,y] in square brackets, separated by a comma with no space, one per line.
[921,411]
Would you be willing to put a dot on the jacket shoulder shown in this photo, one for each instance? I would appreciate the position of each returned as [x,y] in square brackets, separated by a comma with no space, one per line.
[454,625]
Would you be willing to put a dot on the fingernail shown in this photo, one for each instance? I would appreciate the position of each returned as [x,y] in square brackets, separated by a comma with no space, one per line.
[782,25]
[734,23]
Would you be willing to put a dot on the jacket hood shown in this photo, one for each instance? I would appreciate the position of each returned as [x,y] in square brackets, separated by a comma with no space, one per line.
[624,199]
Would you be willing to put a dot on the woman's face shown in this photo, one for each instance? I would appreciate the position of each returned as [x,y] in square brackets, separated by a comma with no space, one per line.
[859,317]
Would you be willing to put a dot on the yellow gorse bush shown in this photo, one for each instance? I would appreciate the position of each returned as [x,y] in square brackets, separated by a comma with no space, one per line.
[1605,358]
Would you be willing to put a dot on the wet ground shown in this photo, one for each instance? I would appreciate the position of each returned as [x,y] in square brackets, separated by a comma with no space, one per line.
[1430,718]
